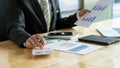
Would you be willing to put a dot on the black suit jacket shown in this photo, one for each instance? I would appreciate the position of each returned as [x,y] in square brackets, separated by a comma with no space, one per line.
[5,11]
[27,18]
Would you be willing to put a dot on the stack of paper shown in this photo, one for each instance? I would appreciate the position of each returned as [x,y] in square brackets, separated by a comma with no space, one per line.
[73,47]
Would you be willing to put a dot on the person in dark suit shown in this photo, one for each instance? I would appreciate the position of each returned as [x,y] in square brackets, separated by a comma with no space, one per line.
[5,11]
[27,20]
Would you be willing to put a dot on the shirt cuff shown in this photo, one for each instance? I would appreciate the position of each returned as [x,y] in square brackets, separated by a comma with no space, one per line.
[77,15]
[24,44]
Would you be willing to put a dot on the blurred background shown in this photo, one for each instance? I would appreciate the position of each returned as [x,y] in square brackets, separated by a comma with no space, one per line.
[68,7]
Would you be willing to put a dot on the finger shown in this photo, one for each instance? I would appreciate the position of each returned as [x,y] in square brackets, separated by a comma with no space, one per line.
[38,42]
[40,45]
[86,11]
[41,39]
[28,45]
[31,40]
[35,40]
[83,12]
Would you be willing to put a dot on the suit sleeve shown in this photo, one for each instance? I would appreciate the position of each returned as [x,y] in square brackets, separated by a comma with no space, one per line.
[16,27]
[66,22]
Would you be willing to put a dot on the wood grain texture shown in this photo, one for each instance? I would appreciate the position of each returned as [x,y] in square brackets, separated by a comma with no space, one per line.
[12,56]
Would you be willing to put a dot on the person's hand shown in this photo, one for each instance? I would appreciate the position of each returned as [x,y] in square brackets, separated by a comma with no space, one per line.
[35,40]
[83,12]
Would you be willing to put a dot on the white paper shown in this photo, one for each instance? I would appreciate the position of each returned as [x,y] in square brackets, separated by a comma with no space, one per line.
[89,18]
[108,31]
[53,40]
[73,47]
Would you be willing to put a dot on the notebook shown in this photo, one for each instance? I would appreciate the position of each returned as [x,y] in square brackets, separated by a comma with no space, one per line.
[110,32]
[99,39]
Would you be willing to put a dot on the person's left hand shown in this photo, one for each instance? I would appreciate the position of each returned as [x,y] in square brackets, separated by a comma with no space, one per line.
[83,12]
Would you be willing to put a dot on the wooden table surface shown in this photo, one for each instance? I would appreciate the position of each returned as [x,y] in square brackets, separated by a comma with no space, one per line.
[12,56]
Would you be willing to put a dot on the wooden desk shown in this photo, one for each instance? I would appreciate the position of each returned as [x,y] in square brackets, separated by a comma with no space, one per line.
[11,56]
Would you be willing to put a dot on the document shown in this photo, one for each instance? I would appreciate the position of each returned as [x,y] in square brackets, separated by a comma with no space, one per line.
[89,18]
[73,47]
[51,40]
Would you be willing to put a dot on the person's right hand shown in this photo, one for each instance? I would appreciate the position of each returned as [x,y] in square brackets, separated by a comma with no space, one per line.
[83,12]
[35,40]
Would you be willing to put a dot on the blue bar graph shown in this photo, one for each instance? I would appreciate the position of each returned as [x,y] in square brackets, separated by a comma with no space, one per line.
[78,48]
